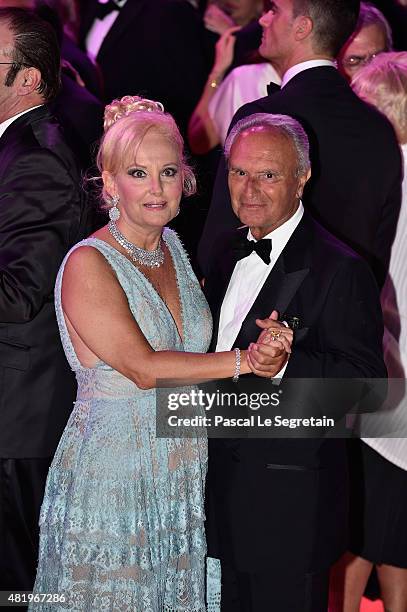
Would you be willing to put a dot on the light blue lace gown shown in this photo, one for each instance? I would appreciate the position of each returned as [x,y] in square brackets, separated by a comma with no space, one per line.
[123,512]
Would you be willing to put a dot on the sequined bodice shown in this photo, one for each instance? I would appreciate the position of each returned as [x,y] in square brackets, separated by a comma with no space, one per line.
[150,311]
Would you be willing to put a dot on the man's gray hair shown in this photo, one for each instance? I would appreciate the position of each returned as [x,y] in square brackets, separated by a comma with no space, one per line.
[370,15]
[285,124]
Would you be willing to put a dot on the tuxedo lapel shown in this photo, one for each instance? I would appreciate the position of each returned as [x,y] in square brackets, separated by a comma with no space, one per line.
[289,285]
[128,13]
[281,285]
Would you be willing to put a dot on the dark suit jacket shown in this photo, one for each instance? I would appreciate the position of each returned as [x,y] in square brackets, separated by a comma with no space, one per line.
[281,502]
[41,215]
[87,70]
[80,115]
[355,188]
[154,49]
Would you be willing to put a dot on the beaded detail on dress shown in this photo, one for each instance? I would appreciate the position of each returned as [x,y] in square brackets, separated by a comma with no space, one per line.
[122,517]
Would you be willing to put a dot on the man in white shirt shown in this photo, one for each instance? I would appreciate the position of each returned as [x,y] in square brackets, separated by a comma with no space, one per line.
[277,508]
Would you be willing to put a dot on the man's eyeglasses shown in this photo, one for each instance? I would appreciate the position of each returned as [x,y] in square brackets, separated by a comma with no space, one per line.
[356,61]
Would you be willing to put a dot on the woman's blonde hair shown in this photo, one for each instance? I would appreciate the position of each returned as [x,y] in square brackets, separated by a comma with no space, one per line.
[383,83]
[126,123]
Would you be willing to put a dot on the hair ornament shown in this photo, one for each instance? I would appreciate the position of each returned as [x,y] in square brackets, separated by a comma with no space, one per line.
[127,105]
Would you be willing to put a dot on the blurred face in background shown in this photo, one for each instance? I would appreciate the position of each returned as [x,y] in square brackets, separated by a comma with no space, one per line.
[360,49]
[241,11]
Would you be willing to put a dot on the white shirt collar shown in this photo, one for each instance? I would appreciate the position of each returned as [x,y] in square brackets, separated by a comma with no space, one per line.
[282,234]
[7,122]
[294,70]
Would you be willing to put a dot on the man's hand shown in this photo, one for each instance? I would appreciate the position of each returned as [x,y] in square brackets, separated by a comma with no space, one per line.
[275,332]
[269,354]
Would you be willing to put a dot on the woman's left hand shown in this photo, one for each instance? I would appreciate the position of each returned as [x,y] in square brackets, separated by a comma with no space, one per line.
[266,360]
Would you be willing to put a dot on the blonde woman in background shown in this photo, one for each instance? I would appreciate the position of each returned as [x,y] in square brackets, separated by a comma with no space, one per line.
[379,492]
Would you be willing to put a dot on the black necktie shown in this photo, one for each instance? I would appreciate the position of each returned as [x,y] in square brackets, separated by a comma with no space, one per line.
[104,9]
[246,247]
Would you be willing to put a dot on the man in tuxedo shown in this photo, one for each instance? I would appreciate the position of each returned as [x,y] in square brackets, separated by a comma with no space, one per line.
[355,187]
[78,112]
[277,508]
[153,48]
[41,217]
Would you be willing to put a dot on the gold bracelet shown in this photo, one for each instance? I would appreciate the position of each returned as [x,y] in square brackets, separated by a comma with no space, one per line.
[213,82]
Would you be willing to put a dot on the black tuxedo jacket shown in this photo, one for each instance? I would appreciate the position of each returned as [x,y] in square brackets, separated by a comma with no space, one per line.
[41,216]
[155,49]
[355,188]
[283,502]
[80,116]
[89,73]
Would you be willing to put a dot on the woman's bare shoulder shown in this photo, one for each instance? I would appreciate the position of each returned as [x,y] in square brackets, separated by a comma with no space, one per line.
[85,261]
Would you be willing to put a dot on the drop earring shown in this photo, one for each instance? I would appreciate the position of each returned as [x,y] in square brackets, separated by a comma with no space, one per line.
[114,212]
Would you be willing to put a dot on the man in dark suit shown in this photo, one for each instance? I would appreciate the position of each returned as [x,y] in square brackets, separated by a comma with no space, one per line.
[355,188]
[41,217]
[153,48]
[78,112]
[277,509]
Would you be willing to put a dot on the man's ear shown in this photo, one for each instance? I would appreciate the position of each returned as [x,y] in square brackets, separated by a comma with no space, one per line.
[28,81]
[303,27]
[302,182]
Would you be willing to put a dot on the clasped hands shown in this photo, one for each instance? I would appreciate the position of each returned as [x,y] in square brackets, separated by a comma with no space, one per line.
[268,355]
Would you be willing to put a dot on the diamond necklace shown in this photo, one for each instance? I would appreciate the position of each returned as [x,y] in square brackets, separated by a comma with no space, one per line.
[151,259]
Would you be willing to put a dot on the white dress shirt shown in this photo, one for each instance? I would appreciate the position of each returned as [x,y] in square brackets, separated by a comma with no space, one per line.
[247,280]
[294,70]
[5,124]
[100,29]
[244,84]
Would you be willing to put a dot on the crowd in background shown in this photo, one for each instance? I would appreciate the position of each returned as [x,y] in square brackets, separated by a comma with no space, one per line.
[201,60]
[184,54]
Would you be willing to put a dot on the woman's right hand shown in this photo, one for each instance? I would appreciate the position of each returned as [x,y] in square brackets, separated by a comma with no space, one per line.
[217,20]
[224,51]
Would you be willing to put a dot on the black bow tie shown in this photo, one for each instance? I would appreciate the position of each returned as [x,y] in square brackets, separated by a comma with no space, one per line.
[246,247]
[104,9]
[272,88]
